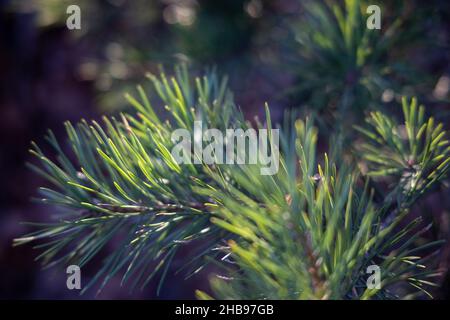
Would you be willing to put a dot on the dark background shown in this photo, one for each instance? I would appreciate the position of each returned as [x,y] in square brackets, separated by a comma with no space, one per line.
[49,74]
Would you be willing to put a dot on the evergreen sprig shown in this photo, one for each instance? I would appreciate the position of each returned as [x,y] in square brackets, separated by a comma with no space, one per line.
[308,231]
[125,182]
[416,153]
[312,231]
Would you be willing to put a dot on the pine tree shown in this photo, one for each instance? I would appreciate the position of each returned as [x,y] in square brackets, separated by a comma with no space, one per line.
[310,231]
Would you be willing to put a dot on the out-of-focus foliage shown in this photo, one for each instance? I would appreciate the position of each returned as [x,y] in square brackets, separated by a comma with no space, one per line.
[343,67]
[126,38]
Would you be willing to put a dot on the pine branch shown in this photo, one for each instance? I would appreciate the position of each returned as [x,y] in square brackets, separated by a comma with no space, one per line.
[307,232]
[415,153]
[124,179]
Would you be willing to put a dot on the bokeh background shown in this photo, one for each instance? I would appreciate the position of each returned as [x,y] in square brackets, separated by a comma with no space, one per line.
[49,74]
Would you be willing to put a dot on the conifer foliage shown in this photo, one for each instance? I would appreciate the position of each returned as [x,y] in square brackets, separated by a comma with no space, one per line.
[310,231]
